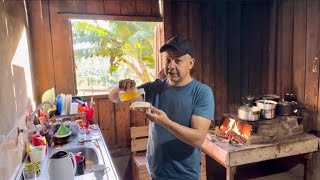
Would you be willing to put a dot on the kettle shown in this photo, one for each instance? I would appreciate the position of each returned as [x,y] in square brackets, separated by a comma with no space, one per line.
[61,166]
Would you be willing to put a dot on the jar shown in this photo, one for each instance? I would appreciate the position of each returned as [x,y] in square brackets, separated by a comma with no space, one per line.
[131,94]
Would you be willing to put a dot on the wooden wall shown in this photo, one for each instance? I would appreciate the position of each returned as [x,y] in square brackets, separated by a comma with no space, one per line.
[52,38]
[230,41]
[16,91]
[296,45]
[115,121]
[241,48]
[53,56]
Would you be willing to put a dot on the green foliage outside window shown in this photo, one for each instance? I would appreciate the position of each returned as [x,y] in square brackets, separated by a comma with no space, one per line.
[108,51]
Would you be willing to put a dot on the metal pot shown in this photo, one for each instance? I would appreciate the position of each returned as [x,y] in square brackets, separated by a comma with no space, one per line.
[268,108]
[285,108]
[249,113]
[290,97]
[271,97]
[249,100]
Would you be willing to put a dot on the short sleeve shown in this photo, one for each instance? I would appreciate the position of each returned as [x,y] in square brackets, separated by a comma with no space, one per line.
[150,90]
[204,104]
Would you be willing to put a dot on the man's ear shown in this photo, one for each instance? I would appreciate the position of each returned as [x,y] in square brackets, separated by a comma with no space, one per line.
[191,62]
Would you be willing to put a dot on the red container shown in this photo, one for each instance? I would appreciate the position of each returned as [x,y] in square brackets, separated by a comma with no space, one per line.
[89,113]
[89,116]
[37,140]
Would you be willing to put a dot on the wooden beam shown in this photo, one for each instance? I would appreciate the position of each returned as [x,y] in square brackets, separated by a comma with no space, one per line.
[110,17]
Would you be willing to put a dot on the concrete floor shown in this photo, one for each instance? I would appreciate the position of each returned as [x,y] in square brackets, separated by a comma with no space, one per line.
[295,173]
[278,169]
[122,165]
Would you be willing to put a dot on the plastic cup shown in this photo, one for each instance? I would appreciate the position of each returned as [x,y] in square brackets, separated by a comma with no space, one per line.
[38,156]
[29,174]
[89,113]
[37,140]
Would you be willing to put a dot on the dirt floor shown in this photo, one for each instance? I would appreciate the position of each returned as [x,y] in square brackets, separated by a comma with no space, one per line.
[290,168]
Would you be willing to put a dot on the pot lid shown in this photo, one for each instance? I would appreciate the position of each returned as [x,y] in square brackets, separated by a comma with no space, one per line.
[265,101]
[250,108]
[284,103]
[270,96]
[59,154]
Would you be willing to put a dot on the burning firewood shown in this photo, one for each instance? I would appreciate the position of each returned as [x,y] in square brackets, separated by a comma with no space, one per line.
[233,130]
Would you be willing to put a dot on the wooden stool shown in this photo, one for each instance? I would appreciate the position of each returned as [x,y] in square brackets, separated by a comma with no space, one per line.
[139,141]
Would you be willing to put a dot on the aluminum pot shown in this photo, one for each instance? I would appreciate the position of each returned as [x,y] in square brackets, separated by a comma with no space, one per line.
[249,113]
[268,108]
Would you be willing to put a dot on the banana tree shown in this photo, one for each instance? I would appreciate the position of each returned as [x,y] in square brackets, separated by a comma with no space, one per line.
[122,42]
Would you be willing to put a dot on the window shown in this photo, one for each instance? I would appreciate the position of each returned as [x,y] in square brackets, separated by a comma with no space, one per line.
[106,52]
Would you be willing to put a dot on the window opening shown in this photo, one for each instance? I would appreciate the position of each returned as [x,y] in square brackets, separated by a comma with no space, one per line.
[106,52]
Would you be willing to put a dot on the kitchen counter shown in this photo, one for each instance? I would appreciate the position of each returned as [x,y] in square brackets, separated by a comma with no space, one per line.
[233,155]
[98,145]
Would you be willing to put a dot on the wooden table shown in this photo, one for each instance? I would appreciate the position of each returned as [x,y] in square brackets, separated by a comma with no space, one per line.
[233,155]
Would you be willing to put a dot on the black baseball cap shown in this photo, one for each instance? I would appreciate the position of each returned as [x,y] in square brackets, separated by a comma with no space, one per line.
[179,43]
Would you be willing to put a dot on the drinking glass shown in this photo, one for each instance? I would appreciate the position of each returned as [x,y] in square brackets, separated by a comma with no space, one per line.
[82,135]
[29,174]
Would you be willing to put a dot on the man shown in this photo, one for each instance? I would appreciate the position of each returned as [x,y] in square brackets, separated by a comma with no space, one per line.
[180,115]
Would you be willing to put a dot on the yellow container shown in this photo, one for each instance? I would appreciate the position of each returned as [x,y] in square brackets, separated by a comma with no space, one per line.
[130,95]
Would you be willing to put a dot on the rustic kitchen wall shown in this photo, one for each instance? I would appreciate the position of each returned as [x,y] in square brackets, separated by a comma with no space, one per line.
[16,91]
[231,40]
[53,56]
[241,48]
[295,46]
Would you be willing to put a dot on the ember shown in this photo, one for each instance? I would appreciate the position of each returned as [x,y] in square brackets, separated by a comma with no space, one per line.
[235,130]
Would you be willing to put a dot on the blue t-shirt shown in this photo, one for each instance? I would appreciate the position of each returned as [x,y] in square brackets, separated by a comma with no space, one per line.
[168,157]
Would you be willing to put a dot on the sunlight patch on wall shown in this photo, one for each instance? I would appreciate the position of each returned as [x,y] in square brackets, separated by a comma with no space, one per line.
[21,58]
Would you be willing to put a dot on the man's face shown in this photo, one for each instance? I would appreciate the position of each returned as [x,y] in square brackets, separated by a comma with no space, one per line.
[177,65]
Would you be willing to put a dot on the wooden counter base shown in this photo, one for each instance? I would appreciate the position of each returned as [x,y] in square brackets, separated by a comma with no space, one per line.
[233,155]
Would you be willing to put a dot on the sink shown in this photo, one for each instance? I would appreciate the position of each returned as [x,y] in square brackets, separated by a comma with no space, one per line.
[95,152]
[90,155]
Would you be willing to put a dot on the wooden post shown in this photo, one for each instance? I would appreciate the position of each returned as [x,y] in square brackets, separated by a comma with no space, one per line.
[308,166]
[230,172]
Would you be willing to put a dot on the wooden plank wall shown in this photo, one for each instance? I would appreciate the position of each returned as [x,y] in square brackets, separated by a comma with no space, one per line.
[231,44]
[115,121]
[53,58]
[297,44]
[241,48]
[52,38]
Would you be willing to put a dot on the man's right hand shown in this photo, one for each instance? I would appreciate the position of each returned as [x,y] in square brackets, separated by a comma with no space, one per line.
[127,84]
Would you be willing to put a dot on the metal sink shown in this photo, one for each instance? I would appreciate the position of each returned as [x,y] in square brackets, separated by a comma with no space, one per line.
[94,150]
[90,155]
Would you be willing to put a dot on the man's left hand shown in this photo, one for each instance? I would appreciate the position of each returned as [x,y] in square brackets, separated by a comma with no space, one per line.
[156,115]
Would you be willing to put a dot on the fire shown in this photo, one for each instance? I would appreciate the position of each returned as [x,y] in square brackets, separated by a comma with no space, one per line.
[235,130]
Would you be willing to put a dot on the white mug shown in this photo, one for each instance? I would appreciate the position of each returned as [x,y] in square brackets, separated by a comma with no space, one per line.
[99,170]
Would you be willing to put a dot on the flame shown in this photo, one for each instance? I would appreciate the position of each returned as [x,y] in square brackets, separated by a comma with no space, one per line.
[236,129]
[232,125]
